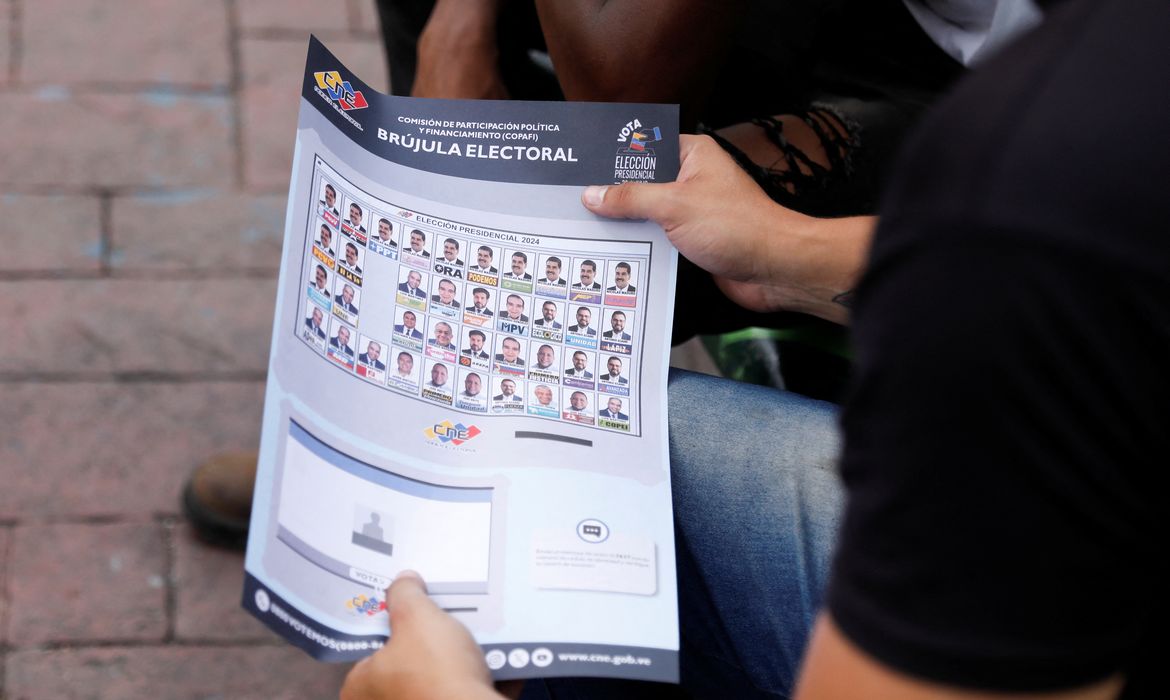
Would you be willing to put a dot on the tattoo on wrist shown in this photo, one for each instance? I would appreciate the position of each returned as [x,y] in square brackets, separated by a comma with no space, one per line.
[844,299]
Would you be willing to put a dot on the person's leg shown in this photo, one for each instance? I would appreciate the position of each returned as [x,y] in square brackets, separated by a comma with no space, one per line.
[757,500]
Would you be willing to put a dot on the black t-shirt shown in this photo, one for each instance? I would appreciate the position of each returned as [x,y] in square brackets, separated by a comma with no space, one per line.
[1010,419]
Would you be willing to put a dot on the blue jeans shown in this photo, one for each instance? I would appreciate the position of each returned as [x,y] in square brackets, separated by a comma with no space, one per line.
[756,504]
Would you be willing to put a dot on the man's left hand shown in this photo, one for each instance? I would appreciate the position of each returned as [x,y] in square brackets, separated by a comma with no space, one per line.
[429,654]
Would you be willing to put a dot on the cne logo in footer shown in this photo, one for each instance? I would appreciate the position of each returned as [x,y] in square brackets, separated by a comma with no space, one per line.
[454,433]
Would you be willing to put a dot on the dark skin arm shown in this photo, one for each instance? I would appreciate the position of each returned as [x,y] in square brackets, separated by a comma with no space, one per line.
[603,50]
[457,52]
[637,50]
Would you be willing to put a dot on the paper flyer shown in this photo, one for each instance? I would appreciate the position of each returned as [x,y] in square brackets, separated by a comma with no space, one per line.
[468,379]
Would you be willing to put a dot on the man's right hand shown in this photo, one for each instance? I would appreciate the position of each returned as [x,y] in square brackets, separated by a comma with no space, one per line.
[764,257]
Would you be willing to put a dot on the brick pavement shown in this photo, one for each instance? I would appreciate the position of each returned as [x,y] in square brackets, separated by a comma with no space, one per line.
[146,156]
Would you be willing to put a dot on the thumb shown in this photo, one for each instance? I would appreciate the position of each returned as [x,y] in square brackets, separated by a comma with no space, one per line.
[406,600]
[629,200]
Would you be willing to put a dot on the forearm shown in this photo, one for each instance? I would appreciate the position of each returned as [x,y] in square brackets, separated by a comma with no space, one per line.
[454,23]
[819,263]
[458,52]
[472,20]
[636,50]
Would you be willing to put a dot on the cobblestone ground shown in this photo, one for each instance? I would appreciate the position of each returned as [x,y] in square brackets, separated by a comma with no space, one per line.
[143,170]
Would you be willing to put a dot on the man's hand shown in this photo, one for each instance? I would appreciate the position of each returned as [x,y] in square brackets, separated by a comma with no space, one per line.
[764,257]
[429,655]
[458,56]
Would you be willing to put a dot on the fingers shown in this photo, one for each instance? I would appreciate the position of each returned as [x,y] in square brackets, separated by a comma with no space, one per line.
[630,200]
[406,599]
[663,202]
[687,143]
[430,653]
[357,682]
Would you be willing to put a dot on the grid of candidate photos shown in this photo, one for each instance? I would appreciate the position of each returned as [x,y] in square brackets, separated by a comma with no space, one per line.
[479,324]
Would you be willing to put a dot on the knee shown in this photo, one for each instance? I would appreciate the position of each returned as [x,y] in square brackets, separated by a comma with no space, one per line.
[721,423]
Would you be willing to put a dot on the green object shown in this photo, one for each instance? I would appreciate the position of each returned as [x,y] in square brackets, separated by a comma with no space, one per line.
[812,359]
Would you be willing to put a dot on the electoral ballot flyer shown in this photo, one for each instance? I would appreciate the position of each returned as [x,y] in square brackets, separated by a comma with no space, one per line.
[468,379]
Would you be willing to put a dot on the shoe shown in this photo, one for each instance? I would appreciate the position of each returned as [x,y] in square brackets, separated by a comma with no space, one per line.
[218,498]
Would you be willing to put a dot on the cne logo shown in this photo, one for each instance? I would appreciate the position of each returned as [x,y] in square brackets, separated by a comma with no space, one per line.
[340,91]
[362,605]
[454,433]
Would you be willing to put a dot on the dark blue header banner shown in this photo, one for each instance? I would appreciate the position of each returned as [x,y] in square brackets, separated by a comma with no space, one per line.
[549,143]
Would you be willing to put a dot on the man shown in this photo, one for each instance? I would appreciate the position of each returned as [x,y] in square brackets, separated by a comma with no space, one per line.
[313,323]
[321,281]
[405,367]
[514,309]
[407,326]
[325,240]
[474,349]
[584,316]
[1001,451]
[479,300]
[548,316]
[578,402]
[443,336]
[588,272]
[346,300]
[351,257]
[329,204]
[412,285]
[621,278]
[340,342]
[510,352]
[405,601]
[519,263]
[614,365]
[507,392]
[552,271]
[386,233]
[976,601]
[617,323]
[446,295]
[471,386]
[438,377]
[371,355]
[372,529]
[544,397]
[580,360]
[483,261]
[545,359]
[418,242]
[355,218]
[451,252]
[613,411]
